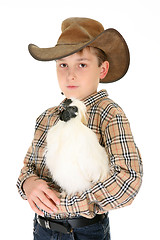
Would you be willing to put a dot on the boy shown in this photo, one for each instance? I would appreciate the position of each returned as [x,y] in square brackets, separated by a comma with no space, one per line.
[85,55]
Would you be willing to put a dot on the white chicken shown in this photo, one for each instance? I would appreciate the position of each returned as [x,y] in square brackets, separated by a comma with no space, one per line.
[74,156]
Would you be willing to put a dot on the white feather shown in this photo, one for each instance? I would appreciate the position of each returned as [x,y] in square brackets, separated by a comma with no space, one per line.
[74,156]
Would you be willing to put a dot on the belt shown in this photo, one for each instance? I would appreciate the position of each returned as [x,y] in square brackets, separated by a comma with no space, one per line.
[66,226]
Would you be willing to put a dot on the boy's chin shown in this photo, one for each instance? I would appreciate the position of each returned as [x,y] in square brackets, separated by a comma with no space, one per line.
[76,96]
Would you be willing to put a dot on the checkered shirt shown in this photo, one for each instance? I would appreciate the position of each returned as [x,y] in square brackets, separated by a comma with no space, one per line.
[108,121]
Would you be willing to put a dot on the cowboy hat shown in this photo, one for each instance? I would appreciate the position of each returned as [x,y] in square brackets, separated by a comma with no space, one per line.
[78,33]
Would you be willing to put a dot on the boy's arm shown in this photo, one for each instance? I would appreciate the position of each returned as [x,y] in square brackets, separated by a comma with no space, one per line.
[27,171]
[32,163]
[33,182]
[125,178]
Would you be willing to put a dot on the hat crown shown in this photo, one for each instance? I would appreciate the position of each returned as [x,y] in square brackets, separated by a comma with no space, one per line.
[79,30]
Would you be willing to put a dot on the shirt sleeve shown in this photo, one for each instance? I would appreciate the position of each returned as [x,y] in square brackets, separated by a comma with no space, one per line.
[32,160]
[125,176]
[27,171]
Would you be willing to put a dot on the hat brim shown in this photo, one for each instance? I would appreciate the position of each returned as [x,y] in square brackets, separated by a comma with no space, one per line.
[110,41]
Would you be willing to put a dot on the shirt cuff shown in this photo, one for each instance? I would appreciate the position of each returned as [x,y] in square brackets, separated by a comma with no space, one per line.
[20,185]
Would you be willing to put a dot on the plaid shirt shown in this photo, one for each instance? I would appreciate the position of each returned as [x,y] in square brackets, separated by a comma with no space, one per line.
[109,123]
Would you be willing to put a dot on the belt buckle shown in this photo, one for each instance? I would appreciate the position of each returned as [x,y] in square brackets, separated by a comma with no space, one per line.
[64,228]
[47,225]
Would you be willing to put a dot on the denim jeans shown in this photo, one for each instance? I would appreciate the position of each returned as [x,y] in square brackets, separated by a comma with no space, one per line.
[97,231]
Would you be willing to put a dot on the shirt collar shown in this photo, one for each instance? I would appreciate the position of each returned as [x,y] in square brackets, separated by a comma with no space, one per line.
[95,97]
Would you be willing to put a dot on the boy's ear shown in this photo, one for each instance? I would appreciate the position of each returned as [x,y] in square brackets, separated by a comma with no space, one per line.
[104,69]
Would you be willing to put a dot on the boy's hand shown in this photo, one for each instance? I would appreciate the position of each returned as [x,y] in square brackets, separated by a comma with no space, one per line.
[38,193]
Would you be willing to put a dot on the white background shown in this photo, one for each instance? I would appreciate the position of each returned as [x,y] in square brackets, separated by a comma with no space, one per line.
[28,87]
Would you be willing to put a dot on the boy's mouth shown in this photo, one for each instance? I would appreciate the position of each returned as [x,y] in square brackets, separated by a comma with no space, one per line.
[72,87]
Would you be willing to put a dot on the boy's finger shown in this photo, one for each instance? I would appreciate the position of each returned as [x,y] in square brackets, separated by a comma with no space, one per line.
[50,193]
[47,202]
[43,206]
[35,209]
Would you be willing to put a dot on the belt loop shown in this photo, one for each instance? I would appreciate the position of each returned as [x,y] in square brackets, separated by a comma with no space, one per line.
[37,218]
[72,234]
[68,226]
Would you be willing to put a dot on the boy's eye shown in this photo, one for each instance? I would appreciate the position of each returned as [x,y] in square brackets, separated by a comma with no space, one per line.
[82,65]
[63,65]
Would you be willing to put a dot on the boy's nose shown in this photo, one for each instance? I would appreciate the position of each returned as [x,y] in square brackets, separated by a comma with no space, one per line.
[71,74]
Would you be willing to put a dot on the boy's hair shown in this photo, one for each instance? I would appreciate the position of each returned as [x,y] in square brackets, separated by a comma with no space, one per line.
[100,54]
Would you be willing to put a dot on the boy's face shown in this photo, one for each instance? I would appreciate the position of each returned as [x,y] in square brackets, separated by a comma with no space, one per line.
[78,74]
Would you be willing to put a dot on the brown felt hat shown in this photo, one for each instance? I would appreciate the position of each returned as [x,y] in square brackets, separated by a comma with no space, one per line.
[78,33]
